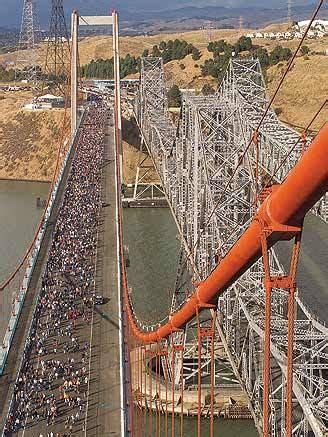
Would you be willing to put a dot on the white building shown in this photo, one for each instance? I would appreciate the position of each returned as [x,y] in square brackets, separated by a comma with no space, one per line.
[54,101]
[317,24]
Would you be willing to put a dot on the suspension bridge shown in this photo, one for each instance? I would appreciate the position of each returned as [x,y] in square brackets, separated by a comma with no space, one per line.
[238,181]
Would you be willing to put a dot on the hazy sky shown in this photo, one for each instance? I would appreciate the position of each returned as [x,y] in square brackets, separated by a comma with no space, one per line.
[10,10]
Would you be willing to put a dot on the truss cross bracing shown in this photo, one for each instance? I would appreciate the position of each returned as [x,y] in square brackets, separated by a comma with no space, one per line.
[213,203]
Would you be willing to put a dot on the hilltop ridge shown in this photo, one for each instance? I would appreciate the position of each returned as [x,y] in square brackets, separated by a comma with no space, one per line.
[300,97]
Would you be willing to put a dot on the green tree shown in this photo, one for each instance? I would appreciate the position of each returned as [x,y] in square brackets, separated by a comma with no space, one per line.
[156,52]
[174,96]
[279,54]
[145,53]
[216,67]
[207,90]
[244,43]
[162,45]
[305,50]
[196,55]
[263,56]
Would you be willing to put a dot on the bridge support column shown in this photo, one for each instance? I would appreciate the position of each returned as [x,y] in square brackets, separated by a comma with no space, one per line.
[117,78]
[288,283]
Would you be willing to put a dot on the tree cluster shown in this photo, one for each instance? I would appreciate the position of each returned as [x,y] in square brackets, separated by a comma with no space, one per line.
[221,47]
[171,50]
[104,68]
[6,75]
[222,52]
[174,97]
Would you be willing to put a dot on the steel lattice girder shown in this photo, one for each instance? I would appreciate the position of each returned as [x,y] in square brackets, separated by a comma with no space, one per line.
[212,204]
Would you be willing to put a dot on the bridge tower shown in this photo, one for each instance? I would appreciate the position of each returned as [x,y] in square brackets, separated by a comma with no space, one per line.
[26,63]
[57,65]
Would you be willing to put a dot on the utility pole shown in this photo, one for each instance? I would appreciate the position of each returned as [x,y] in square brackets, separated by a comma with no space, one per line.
[241,22]
[57,65]
[289,11]
[26,63]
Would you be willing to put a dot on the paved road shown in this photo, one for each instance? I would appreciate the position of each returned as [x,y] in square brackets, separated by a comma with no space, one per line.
[104,417]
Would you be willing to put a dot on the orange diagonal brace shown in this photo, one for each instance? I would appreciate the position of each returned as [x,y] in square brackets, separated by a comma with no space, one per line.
[282,211]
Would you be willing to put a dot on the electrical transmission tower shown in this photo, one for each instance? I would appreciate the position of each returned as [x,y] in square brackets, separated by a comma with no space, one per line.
[26,64]
[241,22]
[289,11]
[57,63]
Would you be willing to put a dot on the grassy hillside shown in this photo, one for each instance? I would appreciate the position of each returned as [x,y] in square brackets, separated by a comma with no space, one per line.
[303,92]
[28,140]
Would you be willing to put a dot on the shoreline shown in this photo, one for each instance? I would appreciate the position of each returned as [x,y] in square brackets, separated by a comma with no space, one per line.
[25,180]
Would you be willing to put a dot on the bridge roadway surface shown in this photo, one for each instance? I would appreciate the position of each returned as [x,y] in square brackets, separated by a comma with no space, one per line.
[104,411]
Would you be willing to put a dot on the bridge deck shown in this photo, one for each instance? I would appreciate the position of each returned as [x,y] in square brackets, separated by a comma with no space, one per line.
[102,416]
[7,380]
[105,391]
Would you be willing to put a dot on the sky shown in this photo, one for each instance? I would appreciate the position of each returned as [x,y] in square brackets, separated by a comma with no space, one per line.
[10,10]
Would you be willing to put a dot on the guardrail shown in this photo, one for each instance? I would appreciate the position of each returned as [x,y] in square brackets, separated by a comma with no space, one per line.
[20,288]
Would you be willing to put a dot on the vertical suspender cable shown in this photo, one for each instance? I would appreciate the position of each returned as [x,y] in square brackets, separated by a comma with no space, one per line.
[173,390]
[199,378]
[150,375]
[182,390]
[212,374]
[166,394]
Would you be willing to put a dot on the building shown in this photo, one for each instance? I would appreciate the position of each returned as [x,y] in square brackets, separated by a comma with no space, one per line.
[54,101]
[321,25]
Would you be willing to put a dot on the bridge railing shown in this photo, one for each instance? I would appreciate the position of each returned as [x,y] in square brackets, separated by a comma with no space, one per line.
[14,289]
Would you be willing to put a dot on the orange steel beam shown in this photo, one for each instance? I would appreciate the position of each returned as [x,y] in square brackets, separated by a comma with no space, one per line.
[282,213]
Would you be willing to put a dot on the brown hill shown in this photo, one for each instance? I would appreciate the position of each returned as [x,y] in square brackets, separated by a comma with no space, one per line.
[28,140]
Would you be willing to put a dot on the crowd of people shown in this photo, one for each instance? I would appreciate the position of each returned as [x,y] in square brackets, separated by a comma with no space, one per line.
[51,391]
